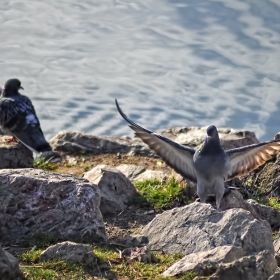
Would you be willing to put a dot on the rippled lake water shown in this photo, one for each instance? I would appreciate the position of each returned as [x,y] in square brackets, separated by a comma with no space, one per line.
[169,63]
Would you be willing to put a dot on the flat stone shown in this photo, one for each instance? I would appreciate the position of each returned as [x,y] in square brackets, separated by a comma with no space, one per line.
[71,252]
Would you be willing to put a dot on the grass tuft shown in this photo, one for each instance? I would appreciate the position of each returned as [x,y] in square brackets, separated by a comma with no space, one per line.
[109,266]
[268,201]
[40,163]
[161,196]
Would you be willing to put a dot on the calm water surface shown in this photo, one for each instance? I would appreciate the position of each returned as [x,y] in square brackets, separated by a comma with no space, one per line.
[169,63]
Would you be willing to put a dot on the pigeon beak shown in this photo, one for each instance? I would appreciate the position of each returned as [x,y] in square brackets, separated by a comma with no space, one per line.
[21,87]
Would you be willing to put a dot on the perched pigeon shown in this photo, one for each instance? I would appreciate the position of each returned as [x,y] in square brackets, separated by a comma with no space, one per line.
[18,118]
[210,165]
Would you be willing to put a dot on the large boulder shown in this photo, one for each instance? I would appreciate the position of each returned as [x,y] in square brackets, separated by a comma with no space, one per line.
[257,267]
[79,142]
[204,263]
[116,191]
[14,155]
[9,266]
[199,227]
[34,202]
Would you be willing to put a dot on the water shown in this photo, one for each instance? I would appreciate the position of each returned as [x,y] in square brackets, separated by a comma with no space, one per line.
[169,63]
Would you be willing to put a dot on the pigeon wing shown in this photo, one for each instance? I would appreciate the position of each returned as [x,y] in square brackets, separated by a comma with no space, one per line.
[19,118]
[177,156]
[245,159]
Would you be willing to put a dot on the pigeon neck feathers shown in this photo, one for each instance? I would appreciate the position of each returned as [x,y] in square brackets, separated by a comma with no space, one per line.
[211,143]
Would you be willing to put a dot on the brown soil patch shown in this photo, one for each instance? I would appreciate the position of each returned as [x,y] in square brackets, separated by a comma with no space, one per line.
[85,163]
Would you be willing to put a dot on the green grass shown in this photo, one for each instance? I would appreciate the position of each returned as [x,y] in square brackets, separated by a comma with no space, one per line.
[268,201]
[161,196]
[109,263]
[109,259]
[40,163]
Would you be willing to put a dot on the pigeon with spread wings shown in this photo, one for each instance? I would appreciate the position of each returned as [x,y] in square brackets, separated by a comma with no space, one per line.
[18,118]
[210,165]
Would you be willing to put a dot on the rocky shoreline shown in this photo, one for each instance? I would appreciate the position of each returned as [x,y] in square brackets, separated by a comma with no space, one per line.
[100,208]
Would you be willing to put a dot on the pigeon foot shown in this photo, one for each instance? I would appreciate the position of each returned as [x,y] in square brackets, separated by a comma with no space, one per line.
[12,139]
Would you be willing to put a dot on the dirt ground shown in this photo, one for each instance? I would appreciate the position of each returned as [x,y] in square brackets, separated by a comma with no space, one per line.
[85,163]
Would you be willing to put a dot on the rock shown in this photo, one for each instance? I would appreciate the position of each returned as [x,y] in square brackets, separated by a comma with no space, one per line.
[78,142]
[71,252]
[35,202]
[142,254]
[131,171]
[267,213]
[71,160]
[151,174]
[199,227]
[14,155]
[116,191]
[137,173]
[205,263]
[194,136]
[276,244]
[234,199]
[259,267]
[9,266]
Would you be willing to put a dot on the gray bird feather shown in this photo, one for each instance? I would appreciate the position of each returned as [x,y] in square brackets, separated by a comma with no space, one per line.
[209,165]
[18,118]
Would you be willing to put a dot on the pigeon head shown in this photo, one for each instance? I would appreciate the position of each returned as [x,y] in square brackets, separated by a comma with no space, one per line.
[11,88]
[212,133]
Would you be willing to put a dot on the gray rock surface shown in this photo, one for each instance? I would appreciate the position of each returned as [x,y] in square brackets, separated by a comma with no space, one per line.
[9,266]
[116,191]
[34,202]
[194,136]
[199,227]
[234,199]
[14,155]
[204,263]
[71,252]
[276,244]
[137,173]
[267,213]
[77,142]
[259,267]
